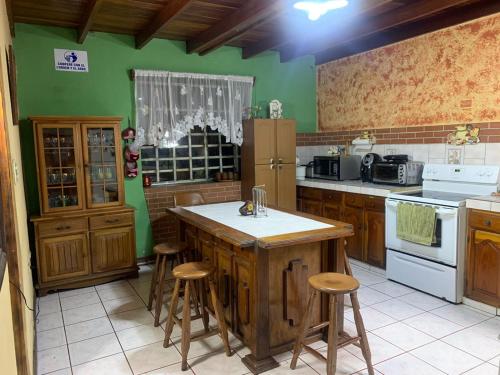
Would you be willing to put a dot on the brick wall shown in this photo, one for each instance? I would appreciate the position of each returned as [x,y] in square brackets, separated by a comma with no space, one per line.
[490,133]
[159,198]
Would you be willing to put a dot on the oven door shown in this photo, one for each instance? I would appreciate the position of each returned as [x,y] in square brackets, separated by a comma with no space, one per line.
[386,173]
[447,226]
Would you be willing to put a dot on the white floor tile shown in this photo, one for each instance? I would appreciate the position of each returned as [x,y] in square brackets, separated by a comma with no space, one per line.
[118,305]
[397,309]
[88,329]
[84,313]
[48,305]
[49,321]
[52,359]
[139,336]
[403,336]
[152,357]
[365,372]
[423,301]
[217,363]
[495,361]
[392,289]
[367,278]
[205,346]
[380,349]
[79,300]
[473,343]
[433,325]
[372,318]
[76,292]
[174,369]
[301,369]
[119,291]
[446,358]
[368,296]
[92,349]
[50,339]
[489,328]
[112,365]
[132,318]
[484,369]
[347,363]
[460,314]
[64,371]
[112,284]
[406,364]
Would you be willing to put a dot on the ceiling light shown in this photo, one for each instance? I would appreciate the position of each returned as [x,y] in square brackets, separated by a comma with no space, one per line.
[316,9]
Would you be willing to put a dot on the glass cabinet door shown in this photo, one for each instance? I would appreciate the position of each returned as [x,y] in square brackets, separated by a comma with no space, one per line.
[103,169]
[60,163]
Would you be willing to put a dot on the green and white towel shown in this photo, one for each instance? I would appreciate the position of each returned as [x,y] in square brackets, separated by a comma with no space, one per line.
[416,223]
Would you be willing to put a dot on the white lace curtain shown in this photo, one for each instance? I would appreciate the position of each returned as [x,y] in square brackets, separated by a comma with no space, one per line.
[169,105]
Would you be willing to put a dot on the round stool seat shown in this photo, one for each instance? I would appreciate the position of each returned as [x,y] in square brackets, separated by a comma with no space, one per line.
[334,283]
[169,248]
[192,271]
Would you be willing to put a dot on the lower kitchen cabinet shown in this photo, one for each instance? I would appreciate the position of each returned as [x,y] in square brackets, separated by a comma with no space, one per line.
[112,249]
[366,213]
[483,257]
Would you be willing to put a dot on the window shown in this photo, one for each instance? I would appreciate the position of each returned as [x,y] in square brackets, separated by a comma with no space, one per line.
[197,157]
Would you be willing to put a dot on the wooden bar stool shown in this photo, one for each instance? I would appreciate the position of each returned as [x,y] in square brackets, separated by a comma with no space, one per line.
[192,273]
[335,285]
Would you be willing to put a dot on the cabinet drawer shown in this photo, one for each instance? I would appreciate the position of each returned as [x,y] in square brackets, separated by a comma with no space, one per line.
[62,227]
[484,220]
[310,193]
[354,200]
[332,196]
[374,203]
[108,221]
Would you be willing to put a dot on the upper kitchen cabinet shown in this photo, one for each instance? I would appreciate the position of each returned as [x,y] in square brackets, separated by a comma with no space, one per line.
[268,158]
[79,162]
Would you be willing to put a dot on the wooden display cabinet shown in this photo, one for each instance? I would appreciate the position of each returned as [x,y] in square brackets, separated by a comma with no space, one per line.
[85,234]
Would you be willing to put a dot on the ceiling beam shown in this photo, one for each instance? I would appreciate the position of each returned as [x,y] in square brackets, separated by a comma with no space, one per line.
[88,19]
[405,14]
[451,18]
[251,14]
[10,17]
[166,15]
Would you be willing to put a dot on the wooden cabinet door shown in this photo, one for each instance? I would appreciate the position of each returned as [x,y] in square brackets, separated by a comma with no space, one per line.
[286,144]
[331,211]
[354,247]
[483,274]
[266,175]
[223,281]
[374,225]
[265,141]
[112,249]
[311,206]
[63,257]
[286,186]
[243,295]
[206,248]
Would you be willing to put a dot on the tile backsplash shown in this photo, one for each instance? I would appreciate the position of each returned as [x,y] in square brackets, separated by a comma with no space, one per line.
[437,153]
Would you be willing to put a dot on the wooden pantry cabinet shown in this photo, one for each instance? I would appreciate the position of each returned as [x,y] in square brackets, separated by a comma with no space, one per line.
[483,257]
[366,213]
[268,157]
[85,234]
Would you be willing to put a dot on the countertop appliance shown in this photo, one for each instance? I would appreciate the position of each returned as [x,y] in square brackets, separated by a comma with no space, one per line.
[437,269]
[337,167]
[310,170]
[367,162]
[397,170]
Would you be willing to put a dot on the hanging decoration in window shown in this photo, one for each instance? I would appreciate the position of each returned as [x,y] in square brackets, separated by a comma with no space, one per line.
[169,105]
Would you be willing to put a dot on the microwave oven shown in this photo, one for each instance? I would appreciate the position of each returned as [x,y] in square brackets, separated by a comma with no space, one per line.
[337,167]
[398,173]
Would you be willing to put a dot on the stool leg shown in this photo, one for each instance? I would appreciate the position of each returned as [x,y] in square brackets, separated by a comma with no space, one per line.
[153,283]
[194,297]
[171,313]
[219,315]
[204,304]
[331,358]
[186,325]
[304,326]
[159,290]
[360,327]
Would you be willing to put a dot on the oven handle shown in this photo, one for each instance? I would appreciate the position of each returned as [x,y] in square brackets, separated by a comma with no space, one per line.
[440,211]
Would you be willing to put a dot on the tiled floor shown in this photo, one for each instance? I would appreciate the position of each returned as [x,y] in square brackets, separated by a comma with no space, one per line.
[107,330]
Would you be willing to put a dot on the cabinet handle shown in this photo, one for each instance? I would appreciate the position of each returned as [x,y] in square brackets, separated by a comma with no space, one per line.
[63,227]
[487,223]
[280,160]
[271,161]
[280,166]
[112,221]
[271,166]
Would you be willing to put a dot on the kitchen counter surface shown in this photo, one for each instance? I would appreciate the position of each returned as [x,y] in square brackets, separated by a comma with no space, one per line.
[356,186]
[485,203]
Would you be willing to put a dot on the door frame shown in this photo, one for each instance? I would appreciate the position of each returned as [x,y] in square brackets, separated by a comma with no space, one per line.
[9,239]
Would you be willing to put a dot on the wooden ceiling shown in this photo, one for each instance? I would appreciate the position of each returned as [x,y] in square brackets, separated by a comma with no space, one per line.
[254,25]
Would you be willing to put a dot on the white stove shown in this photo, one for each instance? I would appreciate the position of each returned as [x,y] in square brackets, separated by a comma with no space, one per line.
[438,269]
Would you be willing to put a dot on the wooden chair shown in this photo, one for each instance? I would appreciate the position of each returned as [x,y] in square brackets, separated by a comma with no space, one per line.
[335,285]
[192,274]
[175,250]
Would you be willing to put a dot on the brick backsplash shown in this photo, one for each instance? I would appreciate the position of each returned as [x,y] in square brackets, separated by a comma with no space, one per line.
[161,197]
[490,133]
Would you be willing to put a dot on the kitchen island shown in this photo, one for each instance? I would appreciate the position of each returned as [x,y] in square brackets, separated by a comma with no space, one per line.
[262,266]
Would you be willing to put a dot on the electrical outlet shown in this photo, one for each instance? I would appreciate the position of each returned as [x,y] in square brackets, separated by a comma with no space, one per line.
[391,151]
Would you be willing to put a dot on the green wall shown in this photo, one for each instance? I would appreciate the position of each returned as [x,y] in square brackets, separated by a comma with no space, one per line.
[107,90]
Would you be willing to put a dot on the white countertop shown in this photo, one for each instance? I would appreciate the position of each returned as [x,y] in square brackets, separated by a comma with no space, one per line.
[485,203]
[274,224]
[355,186]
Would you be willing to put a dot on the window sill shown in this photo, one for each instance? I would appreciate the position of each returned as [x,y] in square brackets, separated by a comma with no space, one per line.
[194,183]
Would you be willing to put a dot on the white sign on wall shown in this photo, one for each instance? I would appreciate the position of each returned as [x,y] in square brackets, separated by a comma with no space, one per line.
[70,60]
